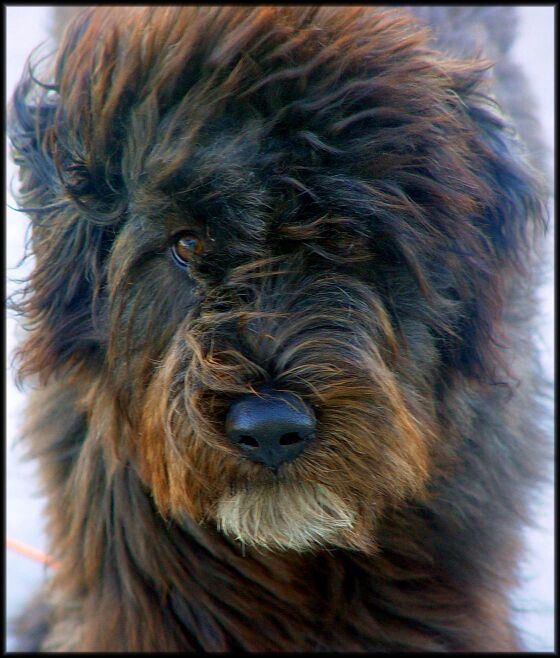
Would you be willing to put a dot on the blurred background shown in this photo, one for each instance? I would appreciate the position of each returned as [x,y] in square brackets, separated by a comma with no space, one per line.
[27,27]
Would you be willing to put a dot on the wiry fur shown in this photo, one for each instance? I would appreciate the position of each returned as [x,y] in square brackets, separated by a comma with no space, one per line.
[371,227]
[284,515]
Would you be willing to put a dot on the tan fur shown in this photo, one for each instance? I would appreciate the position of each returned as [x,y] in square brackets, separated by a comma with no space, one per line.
[286,516]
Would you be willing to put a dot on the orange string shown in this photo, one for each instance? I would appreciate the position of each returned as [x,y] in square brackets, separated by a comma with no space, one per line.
[30,552]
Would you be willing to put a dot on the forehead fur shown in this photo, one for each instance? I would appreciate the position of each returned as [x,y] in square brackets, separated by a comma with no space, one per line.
[202,99]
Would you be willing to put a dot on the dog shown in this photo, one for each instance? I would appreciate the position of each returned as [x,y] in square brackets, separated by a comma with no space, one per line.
[280,329]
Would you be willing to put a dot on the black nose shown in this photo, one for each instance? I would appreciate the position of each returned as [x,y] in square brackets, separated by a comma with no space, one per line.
[272,427]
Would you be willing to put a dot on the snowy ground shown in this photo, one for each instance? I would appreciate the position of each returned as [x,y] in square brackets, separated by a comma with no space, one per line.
[27,27]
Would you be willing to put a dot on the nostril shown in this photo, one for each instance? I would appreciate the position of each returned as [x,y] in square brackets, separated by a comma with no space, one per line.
[290,438]
[248,441]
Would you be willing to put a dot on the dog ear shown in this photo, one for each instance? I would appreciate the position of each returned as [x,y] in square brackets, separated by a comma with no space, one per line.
[67,248]
[510,225]
[515,212]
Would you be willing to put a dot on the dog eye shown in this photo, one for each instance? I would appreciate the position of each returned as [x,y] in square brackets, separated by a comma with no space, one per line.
[185,247]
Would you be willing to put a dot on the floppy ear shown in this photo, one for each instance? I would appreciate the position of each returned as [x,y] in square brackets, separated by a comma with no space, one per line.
[56,301]
[515,215]
[512,199]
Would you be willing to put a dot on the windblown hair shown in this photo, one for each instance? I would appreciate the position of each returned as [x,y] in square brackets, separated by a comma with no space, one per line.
[370,228]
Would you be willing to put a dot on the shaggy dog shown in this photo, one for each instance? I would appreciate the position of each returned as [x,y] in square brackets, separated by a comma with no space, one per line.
[280,329]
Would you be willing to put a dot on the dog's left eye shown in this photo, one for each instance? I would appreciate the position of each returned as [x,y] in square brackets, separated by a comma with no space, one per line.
[185,247]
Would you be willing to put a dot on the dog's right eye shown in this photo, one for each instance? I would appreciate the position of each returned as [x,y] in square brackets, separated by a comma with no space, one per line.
[185,247]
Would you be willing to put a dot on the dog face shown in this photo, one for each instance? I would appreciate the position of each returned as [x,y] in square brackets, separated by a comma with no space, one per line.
[233,201]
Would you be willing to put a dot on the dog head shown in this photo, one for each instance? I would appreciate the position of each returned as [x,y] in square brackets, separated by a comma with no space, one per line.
[270,240]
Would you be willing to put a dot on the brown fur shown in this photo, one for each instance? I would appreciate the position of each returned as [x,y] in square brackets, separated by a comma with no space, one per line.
[370,226]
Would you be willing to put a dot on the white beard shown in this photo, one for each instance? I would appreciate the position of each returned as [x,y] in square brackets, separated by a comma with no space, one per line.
[299,516]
